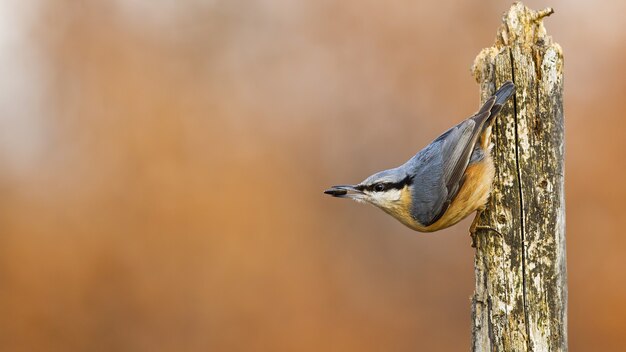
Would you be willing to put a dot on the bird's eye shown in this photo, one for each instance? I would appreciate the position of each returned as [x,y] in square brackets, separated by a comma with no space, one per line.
[379,187]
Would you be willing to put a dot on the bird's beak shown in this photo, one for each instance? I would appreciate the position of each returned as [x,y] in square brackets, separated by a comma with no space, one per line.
[343,191]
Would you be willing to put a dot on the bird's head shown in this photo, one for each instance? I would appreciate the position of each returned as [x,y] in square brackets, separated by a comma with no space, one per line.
[389,190]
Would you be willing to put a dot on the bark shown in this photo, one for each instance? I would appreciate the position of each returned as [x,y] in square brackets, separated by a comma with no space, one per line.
[520,299]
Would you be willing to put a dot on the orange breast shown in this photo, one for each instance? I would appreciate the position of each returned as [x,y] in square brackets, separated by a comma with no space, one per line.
[472,195]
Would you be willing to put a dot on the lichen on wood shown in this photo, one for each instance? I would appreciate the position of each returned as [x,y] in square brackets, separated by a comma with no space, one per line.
[520,299]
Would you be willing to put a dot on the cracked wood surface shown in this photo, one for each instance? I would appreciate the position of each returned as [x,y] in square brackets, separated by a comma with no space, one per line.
[520,299]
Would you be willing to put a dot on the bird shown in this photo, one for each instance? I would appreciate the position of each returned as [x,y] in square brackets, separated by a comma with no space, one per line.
[444,182]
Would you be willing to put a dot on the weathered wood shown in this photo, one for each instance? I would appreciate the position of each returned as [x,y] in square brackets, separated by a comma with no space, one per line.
[520,300]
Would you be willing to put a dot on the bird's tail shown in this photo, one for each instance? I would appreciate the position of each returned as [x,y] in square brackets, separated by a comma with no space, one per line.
[502,95]
[494,105]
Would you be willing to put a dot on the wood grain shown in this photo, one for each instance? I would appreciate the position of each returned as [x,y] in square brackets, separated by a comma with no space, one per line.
[520,299]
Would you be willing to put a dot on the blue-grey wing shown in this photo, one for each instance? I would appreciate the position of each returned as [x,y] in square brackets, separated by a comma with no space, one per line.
[439,168]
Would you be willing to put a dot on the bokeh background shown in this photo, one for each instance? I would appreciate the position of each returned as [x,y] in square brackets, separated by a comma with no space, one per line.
[162,165]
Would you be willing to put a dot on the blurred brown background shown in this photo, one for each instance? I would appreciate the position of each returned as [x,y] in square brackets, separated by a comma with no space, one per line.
[162,165]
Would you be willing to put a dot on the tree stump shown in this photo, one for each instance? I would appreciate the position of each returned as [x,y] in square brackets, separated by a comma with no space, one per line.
[520,299]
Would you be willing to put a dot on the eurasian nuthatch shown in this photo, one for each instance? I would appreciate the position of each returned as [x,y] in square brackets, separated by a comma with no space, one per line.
[444,182]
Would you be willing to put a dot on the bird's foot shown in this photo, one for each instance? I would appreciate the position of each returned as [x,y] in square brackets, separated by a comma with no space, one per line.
[475,226]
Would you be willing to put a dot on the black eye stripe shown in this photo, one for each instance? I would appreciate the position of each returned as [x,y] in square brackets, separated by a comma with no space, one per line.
[386,185]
